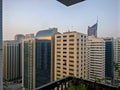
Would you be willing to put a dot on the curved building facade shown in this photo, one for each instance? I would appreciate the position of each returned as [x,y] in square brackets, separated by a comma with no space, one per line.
[38,59]
[19,37]
[46,33]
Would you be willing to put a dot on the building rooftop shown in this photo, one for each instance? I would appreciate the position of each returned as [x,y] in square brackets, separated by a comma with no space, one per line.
[48,32]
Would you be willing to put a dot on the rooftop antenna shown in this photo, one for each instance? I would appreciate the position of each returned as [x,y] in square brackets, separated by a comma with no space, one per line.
[68,30]
[97,20]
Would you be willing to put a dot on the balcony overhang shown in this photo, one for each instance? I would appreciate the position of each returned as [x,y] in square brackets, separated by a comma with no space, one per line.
[70,2]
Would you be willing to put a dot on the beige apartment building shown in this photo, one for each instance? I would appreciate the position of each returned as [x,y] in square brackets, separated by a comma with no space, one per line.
[70,55]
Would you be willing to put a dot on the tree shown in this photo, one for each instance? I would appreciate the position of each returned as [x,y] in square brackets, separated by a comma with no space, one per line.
[77,85]
[117,70]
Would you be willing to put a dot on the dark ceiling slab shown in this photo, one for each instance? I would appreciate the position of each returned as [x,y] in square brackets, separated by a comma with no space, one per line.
[70,2]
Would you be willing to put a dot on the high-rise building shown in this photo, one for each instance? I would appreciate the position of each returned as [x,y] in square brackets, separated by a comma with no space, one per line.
[117,56]
[29,36]
[70,55]
[19,37]
[96,58]
[12,62]
[109,57]
[92,31]
[38,59]
[1,49]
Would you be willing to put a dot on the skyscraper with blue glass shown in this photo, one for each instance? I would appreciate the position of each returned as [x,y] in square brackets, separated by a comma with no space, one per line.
[38,59]
[109,52]
[92,31]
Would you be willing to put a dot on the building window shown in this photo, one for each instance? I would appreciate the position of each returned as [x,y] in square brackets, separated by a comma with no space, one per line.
[58,36]
[64,72]
[71,56]
[58,59]
[71,44]
[71,40]
[71,52]
[64,36]
[71,74]
[58,47]
[64,52]
[71,65]
[64,48]
[64,44]
[71,61]
[58,40]
[71,69]
[58,70]
[64,68]
[71,48]
[64,40]
[58,55]
[58,44]
[58,67]
[71,36]
[58,74]
[58,63]
[64,56]
[58,51]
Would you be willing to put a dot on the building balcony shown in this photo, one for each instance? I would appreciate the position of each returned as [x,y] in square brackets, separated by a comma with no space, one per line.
[65,84]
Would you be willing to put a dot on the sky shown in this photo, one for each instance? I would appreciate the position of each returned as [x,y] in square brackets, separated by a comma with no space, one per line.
[31,16]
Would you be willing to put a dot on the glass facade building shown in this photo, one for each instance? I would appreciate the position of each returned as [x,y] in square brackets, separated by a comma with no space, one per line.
[92,31]
[37,57]
[109,52]
[19,37]
[43,62]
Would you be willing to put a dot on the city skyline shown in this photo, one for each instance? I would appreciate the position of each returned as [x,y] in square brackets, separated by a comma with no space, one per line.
[31,16]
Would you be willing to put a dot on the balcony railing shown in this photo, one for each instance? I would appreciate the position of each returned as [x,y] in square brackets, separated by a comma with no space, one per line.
[64,84]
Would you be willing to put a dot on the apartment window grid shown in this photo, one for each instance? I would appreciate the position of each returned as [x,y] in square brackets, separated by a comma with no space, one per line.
[70,43]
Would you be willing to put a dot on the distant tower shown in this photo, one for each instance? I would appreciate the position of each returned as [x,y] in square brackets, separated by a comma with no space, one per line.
[1,56]
[92,31]
[19,37]
[29,36]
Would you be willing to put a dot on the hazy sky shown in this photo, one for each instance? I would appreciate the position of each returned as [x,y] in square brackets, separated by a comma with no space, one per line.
[30,16]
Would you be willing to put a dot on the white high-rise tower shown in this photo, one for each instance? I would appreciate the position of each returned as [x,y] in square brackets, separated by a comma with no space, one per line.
[96,58]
